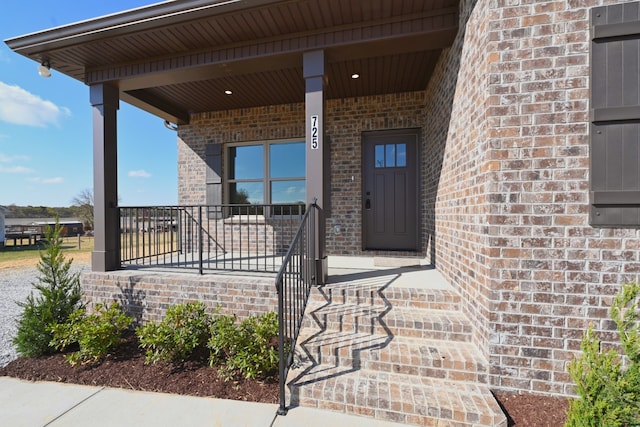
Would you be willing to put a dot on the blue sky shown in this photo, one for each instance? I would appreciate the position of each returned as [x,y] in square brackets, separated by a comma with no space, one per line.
[45,124]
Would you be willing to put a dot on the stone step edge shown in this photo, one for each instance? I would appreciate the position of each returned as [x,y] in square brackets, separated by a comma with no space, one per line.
[465,363]
[389,309]
[445,398]
[413,321]
[398,340]
[408,297]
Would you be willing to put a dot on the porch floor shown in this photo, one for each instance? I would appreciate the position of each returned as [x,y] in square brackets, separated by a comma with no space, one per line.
[389,341]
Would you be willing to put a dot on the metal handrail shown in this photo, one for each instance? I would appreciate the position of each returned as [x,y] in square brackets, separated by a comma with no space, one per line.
[294,281]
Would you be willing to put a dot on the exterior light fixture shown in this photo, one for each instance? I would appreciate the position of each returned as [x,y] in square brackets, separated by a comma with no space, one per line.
[170,126]
[355,76]
[44,69]
[228,92]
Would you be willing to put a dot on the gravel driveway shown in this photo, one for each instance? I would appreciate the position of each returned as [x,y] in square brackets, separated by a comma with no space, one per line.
[15,285]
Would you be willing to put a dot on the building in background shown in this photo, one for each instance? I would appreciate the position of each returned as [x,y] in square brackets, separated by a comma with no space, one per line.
[3,213]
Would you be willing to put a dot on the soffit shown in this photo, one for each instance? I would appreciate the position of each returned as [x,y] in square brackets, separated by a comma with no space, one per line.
[177,58]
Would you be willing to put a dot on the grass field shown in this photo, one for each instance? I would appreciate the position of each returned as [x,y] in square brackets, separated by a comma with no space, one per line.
[24,256]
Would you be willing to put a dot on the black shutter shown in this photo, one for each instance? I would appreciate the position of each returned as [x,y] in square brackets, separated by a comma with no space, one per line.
[213,158]
[615,115]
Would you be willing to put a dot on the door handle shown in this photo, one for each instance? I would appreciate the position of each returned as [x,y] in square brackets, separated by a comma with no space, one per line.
[367,204]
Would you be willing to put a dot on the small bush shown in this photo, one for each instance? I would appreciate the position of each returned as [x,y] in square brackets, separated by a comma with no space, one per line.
[58,295]
[178,335]
[248,349]
[96,334]
[609,393]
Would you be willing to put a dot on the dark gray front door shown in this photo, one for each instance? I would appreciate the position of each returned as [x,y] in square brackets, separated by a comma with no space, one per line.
[390,189]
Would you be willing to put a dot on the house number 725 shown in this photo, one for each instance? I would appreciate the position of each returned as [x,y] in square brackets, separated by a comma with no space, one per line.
[314,132]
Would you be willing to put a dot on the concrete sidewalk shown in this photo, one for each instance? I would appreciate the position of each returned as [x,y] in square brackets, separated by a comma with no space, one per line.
[40,404]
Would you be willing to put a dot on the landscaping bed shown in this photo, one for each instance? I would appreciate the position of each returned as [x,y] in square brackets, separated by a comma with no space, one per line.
[127,369]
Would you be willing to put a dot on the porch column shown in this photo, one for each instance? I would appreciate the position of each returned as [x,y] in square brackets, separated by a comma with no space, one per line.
[106,253]
[313,71]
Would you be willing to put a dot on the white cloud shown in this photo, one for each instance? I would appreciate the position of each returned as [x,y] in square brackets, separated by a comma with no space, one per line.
[20,107]
[15,169]
[55,180]
[294,190]
[10,159]
[139,174]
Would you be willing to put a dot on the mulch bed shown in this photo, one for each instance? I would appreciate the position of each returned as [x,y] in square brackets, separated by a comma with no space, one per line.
[532,410]
[127,370]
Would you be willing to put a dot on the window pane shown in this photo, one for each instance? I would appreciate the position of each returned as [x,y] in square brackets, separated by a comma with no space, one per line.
[288,192]
[379,156]
[246,162]
[242,193]
[287,160]
[402,155]
[391,156]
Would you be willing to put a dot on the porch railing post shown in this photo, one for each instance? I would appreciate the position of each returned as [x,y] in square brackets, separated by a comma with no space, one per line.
[119,238]
[313,236]
[200,238]
[282,409]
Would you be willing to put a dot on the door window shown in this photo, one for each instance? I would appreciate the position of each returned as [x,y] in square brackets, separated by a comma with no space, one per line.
[391,155]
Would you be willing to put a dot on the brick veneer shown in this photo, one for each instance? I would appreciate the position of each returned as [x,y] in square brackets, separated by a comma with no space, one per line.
[456,174]
[512,232]
[146,295]
[346,119]
[504,189]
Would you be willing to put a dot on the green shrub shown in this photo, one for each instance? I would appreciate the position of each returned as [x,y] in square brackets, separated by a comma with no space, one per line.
[248,349]
[178,335]
[58,295]
[608,392]
[96,334]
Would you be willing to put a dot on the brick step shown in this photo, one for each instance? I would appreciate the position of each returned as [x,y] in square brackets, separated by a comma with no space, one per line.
[460,361]
[401,398]
[374,295]
[389,321]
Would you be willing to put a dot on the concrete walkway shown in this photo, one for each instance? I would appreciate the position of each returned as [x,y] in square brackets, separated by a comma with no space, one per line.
[40,404]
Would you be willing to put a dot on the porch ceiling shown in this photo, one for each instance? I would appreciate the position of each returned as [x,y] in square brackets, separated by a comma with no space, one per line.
[177,58]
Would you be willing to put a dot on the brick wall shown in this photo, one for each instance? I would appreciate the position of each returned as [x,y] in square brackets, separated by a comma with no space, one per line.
[457,168]
[511,226]
[147,295]
[346,119]
[552,274]
[247,124]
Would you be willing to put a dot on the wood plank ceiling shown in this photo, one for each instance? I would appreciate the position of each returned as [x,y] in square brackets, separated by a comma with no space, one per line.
[180,59]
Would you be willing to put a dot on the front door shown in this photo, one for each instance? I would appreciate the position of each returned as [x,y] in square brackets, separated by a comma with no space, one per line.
[390,190]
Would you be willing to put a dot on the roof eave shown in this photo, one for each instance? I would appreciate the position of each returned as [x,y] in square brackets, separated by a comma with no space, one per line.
[156,15]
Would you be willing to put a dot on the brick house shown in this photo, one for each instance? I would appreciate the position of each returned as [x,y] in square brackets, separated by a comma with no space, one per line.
[496,140]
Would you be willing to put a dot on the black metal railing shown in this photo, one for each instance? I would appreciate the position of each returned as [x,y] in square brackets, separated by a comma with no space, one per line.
[295,278]
[208,237]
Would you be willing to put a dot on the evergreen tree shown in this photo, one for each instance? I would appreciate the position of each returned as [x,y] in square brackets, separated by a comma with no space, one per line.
[57,296]
[608,391]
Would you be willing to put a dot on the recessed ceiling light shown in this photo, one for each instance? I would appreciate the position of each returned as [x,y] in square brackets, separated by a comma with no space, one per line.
[355,75]
[228,92]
